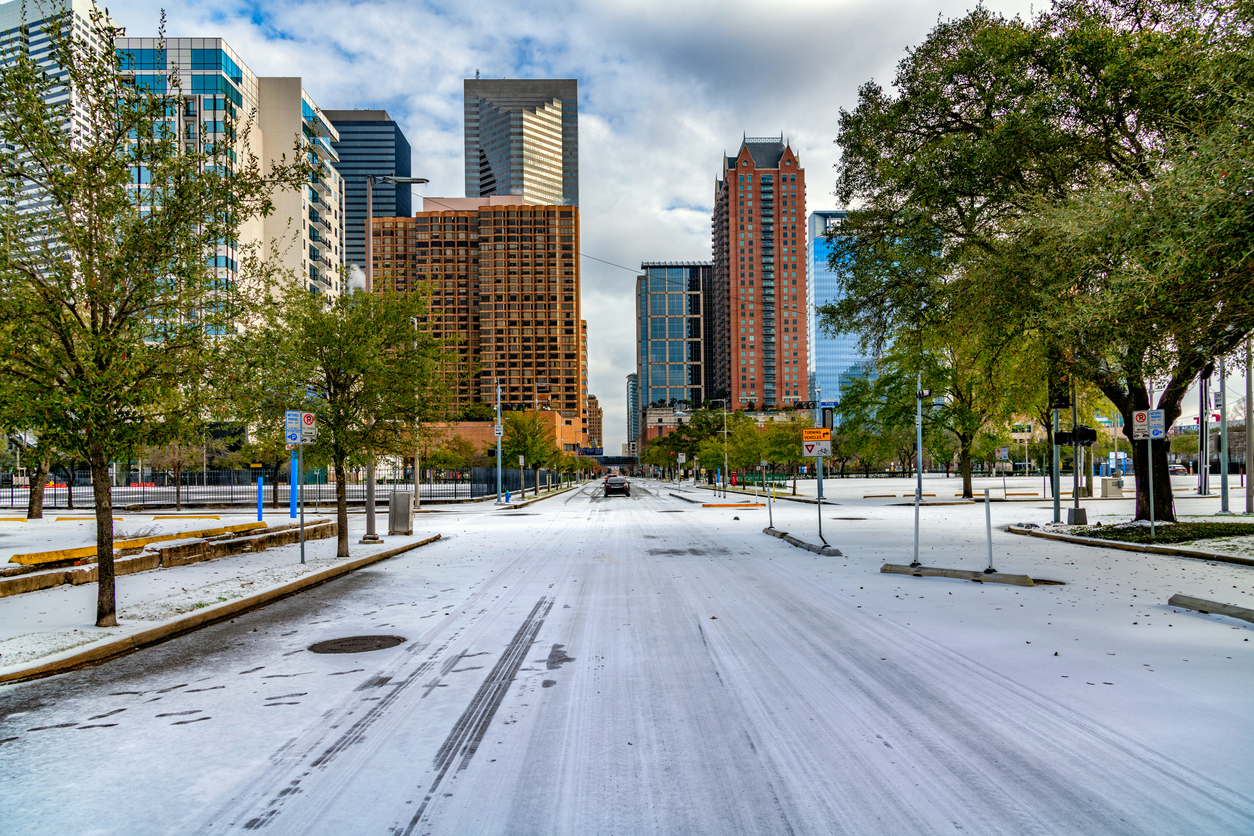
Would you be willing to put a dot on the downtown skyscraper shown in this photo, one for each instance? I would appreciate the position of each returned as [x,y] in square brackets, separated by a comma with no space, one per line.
[756,311]
[522,138]
[370,143]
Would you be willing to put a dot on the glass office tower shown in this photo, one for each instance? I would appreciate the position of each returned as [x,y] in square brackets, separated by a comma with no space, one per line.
[834,360]
[669,355]
[370,143]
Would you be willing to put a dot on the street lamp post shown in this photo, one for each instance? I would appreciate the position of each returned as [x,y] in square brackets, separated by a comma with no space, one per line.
[371,535]
[723,401]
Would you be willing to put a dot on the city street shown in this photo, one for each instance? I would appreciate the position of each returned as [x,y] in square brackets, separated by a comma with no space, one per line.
[646,665]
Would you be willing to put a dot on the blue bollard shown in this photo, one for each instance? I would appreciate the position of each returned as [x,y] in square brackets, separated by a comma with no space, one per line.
[261,480]
[291,487]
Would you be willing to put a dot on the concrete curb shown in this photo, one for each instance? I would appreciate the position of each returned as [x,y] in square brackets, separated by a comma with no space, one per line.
[1097,542]
[801,544]
[686,499]
[524,503]
[102,651]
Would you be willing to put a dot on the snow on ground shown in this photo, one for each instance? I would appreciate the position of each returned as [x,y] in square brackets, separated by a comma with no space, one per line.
[39,624]
[693,675]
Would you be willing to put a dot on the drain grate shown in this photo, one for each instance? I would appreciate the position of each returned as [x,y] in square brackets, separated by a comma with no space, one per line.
[356,644]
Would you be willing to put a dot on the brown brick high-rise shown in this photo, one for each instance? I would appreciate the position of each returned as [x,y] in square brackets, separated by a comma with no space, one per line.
[505,288]
[757,312]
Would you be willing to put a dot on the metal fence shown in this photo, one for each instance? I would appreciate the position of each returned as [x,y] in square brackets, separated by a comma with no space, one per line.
[239,487]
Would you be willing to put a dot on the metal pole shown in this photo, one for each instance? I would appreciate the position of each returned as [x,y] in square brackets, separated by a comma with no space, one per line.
[371,534]
[300,476]
[1223,437]
[498,445]
[1076,515]
[770,513]
[918,451]
[988,528]
[725,448]
[1203,437]
[1149,454]
[818,422]
[1249,437]
[1055,480]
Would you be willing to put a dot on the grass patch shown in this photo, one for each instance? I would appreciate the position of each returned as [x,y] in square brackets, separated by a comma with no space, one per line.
[1180,532]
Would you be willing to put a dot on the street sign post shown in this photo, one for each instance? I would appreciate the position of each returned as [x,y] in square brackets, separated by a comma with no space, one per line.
[816,449]
[498,430]
[1157,423]
[1140,424]
[683,457]
[817,434]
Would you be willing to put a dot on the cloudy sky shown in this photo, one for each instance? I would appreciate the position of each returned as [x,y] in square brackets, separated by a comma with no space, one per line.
[665,88]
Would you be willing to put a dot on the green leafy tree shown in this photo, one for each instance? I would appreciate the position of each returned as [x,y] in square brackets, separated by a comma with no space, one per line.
[529,435]
[1072,178]
[108,305]
[359,363]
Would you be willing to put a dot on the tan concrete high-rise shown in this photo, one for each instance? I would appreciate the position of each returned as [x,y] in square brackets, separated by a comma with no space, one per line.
[504,283]
[595,420]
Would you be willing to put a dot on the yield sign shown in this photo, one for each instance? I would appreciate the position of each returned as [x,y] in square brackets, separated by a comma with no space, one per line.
[813,449]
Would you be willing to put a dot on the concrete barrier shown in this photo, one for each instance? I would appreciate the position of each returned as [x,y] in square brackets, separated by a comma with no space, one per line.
[963,574]
[1203,606]
[30,583]
[828,551]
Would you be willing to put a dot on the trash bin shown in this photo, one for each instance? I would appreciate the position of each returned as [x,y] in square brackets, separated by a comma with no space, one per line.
[1112,488]
[401,513]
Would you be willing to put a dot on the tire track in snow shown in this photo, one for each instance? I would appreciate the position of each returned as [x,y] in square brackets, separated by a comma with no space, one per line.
[468,731]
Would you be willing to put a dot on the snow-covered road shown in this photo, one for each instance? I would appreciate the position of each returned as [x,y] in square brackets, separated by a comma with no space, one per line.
[642,665]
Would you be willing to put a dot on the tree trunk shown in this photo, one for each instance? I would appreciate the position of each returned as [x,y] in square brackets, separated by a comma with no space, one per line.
[102,493]
[35,503]
[964,463]
[341,508]
[69,486]
[1164,500]
[274,484]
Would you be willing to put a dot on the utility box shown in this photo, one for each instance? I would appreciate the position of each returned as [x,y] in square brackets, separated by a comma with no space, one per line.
[1112,488]
[401,513]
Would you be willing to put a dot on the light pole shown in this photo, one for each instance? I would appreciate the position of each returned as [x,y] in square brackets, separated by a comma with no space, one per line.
[723,401]
[497,429]
[371,535]
[1249,441]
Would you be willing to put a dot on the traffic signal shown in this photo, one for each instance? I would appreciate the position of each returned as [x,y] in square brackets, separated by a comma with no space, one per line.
[1062,438]
[827,417]
[806,404]
[1085,435]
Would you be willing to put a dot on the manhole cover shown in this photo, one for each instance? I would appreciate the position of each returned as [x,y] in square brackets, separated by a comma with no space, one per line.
[356,644]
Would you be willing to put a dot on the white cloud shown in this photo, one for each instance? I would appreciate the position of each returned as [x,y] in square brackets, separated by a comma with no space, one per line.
[666,86]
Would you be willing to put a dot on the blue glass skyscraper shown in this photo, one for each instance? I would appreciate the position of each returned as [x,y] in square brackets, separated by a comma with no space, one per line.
[834,360]
[369,143]
[669,346]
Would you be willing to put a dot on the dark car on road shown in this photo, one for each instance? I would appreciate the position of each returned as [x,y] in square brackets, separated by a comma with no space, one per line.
[617,485]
